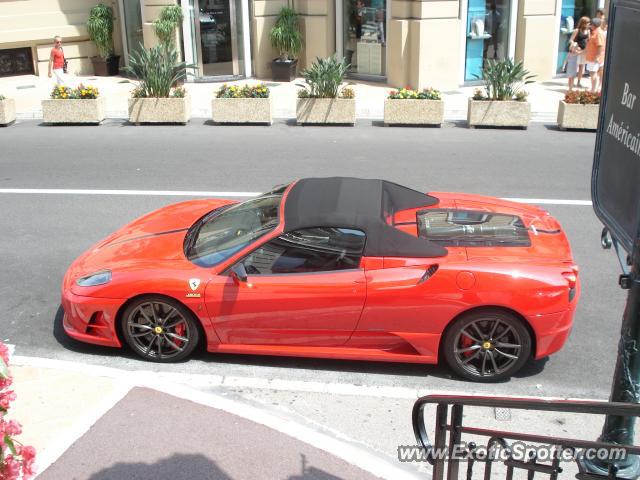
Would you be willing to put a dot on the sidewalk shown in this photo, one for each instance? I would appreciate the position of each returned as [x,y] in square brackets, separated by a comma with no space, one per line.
[116,425]
[29,90]
[99,423]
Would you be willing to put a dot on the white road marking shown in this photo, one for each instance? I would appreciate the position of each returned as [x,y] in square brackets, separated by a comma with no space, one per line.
[317,436]
[196,193]
[159,193]
[551,201]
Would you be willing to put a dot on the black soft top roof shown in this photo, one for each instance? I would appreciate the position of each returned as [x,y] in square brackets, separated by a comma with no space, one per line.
[361,204]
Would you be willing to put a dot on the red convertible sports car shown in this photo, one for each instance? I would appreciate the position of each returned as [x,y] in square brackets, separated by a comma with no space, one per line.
[336,268]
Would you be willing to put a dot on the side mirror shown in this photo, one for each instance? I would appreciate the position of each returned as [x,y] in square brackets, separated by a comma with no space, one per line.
[239,273]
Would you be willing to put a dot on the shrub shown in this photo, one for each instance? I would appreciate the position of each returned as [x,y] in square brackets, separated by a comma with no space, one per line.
[582,97]
[323,79]
[285,35]
[2,97]
[408,94]
[504,79]
[245,91]
[100,29]
[81,92]
[16,460]
[165,25]
[158,71]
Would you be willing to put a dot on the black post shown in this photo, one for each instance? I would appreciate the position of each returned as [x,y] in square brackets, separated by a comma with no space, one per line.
[626,378]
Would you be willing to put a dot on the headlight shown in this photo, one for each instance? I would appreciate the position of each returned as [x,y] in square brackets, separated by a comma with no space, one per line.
[94,279]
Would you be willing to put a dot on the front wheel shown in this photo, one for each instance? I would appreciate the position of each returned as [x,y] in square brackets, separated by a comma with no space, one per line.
[160,329]
[487,346]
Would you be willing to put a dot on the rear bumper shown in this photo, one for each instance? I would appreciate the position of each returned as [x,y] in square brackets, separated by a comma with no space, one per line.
[551,331]
[91,320]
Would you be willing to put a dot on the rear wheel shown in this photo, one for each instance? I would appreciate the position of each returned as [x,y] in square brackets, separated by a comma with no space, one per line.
[160,329]
[487,346]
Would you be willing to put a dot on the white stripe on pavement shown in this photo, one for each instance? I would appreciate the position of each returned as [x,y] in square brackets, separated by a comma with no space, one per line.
[159,193]
[196,193]
[550,201]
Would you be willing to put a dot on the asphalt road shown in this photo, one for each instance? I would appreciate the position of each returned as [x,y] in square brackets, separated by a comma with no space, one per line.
[41,234]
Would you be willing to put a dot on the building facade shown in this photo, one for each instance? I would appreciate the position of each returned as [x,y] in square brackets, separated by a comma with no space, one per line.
[416,43]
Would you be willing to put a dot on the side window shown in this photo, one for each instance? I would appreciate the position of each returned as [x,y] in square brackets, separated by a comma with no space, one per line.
[310,250]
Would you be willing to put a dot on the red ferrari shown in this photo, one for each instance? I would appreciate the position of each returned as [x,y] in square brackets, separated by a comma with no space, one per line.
[336,268]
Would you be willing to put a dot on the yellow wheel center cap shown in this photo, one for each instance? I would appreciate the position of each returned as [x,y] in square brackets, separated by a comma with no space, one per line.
[158,330]
[486,345]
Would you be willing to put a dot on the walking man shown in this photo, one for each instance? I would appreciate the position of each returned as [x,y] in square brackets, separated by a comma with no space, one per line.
[594,54]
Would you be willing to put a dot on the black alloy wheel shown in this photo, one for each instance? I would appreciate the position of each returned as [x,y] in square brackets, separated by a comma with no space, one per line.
[487,346]
[160,329]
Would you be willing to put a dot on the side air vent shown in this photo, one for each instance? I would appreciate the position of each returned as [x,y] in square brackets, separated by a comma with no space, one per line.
[428,274]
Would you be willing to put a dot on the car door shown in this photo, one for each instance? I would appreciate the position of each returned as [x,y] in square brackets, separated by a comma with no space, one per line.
[302,288]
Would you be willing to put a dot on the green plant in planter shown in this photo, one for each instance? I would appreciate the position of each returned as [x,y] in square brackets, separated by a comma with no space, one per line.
[504,80]
[158,70]
[285,36]
[165,26]
[323,79]
[100,29]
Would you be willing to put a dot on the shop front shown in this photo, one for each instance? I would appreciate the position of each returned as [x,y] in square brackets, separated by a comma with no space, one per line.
[361,27]
[489,34]
[570,14]
[216,38]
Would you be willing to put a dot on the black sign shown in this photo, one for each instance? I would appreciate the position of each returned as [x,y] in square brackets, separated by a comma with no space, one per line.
[615,185]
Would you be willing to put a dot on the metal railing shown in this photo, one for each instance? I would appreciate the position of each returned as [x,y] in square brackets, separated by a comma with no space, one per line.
[449,453]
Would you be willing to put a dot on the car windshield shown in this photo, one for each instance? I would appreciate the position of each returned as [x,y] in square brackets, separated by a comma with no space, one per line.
[220,234]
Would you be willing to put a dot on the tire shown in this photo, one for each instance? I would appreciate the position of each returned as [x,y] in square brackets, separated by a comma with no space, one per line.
[487,346]
[160,329]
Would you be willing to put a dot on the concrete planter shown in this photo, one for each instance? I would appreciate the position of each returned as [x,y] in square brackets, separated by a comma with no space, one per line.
[159,110]
[7,112]
[413,112]
[241,110]
[89,111]
[577,116]
[491,113]
[324,111]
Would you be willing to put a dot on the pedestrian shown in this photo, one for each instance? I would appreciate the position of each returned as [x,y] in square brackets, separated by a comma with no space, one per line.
[600,14]
[594,54]
[57,62]
[580,36]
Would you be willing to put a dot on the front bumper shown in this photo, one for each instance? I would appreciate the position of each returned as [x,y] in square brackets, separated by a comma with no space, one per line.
[91,320]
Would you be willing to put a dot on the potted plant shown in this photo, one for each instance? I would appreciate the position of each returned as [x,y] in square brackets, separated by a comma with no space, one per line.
[100,29]
[249,104]
[159,96]
[324,100]
[7,111]
[166,24]
[504,101]
[579,110]
[286,38]
[414,107]
[82,104]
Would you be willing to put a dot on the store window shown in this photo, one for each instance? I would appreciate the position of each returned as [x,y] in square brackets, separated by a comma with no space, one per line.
[133,25]
[488,28]
[364,36]
[572,11]
[219,37]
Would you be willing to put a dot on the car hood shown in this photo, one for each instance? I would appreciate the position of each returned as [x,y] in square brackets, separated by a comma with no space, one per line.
[150,240]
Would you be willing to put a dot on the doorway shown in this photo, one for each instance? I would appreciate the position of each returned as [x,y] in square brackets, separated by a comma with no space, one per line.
[219,37]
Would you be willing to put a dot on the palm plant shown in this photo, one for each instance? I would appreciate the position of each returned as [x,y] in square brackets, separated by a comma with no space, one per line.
[165,26]
[158,70]
[100,29]
[324,77]
[504,79]
[285,36]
